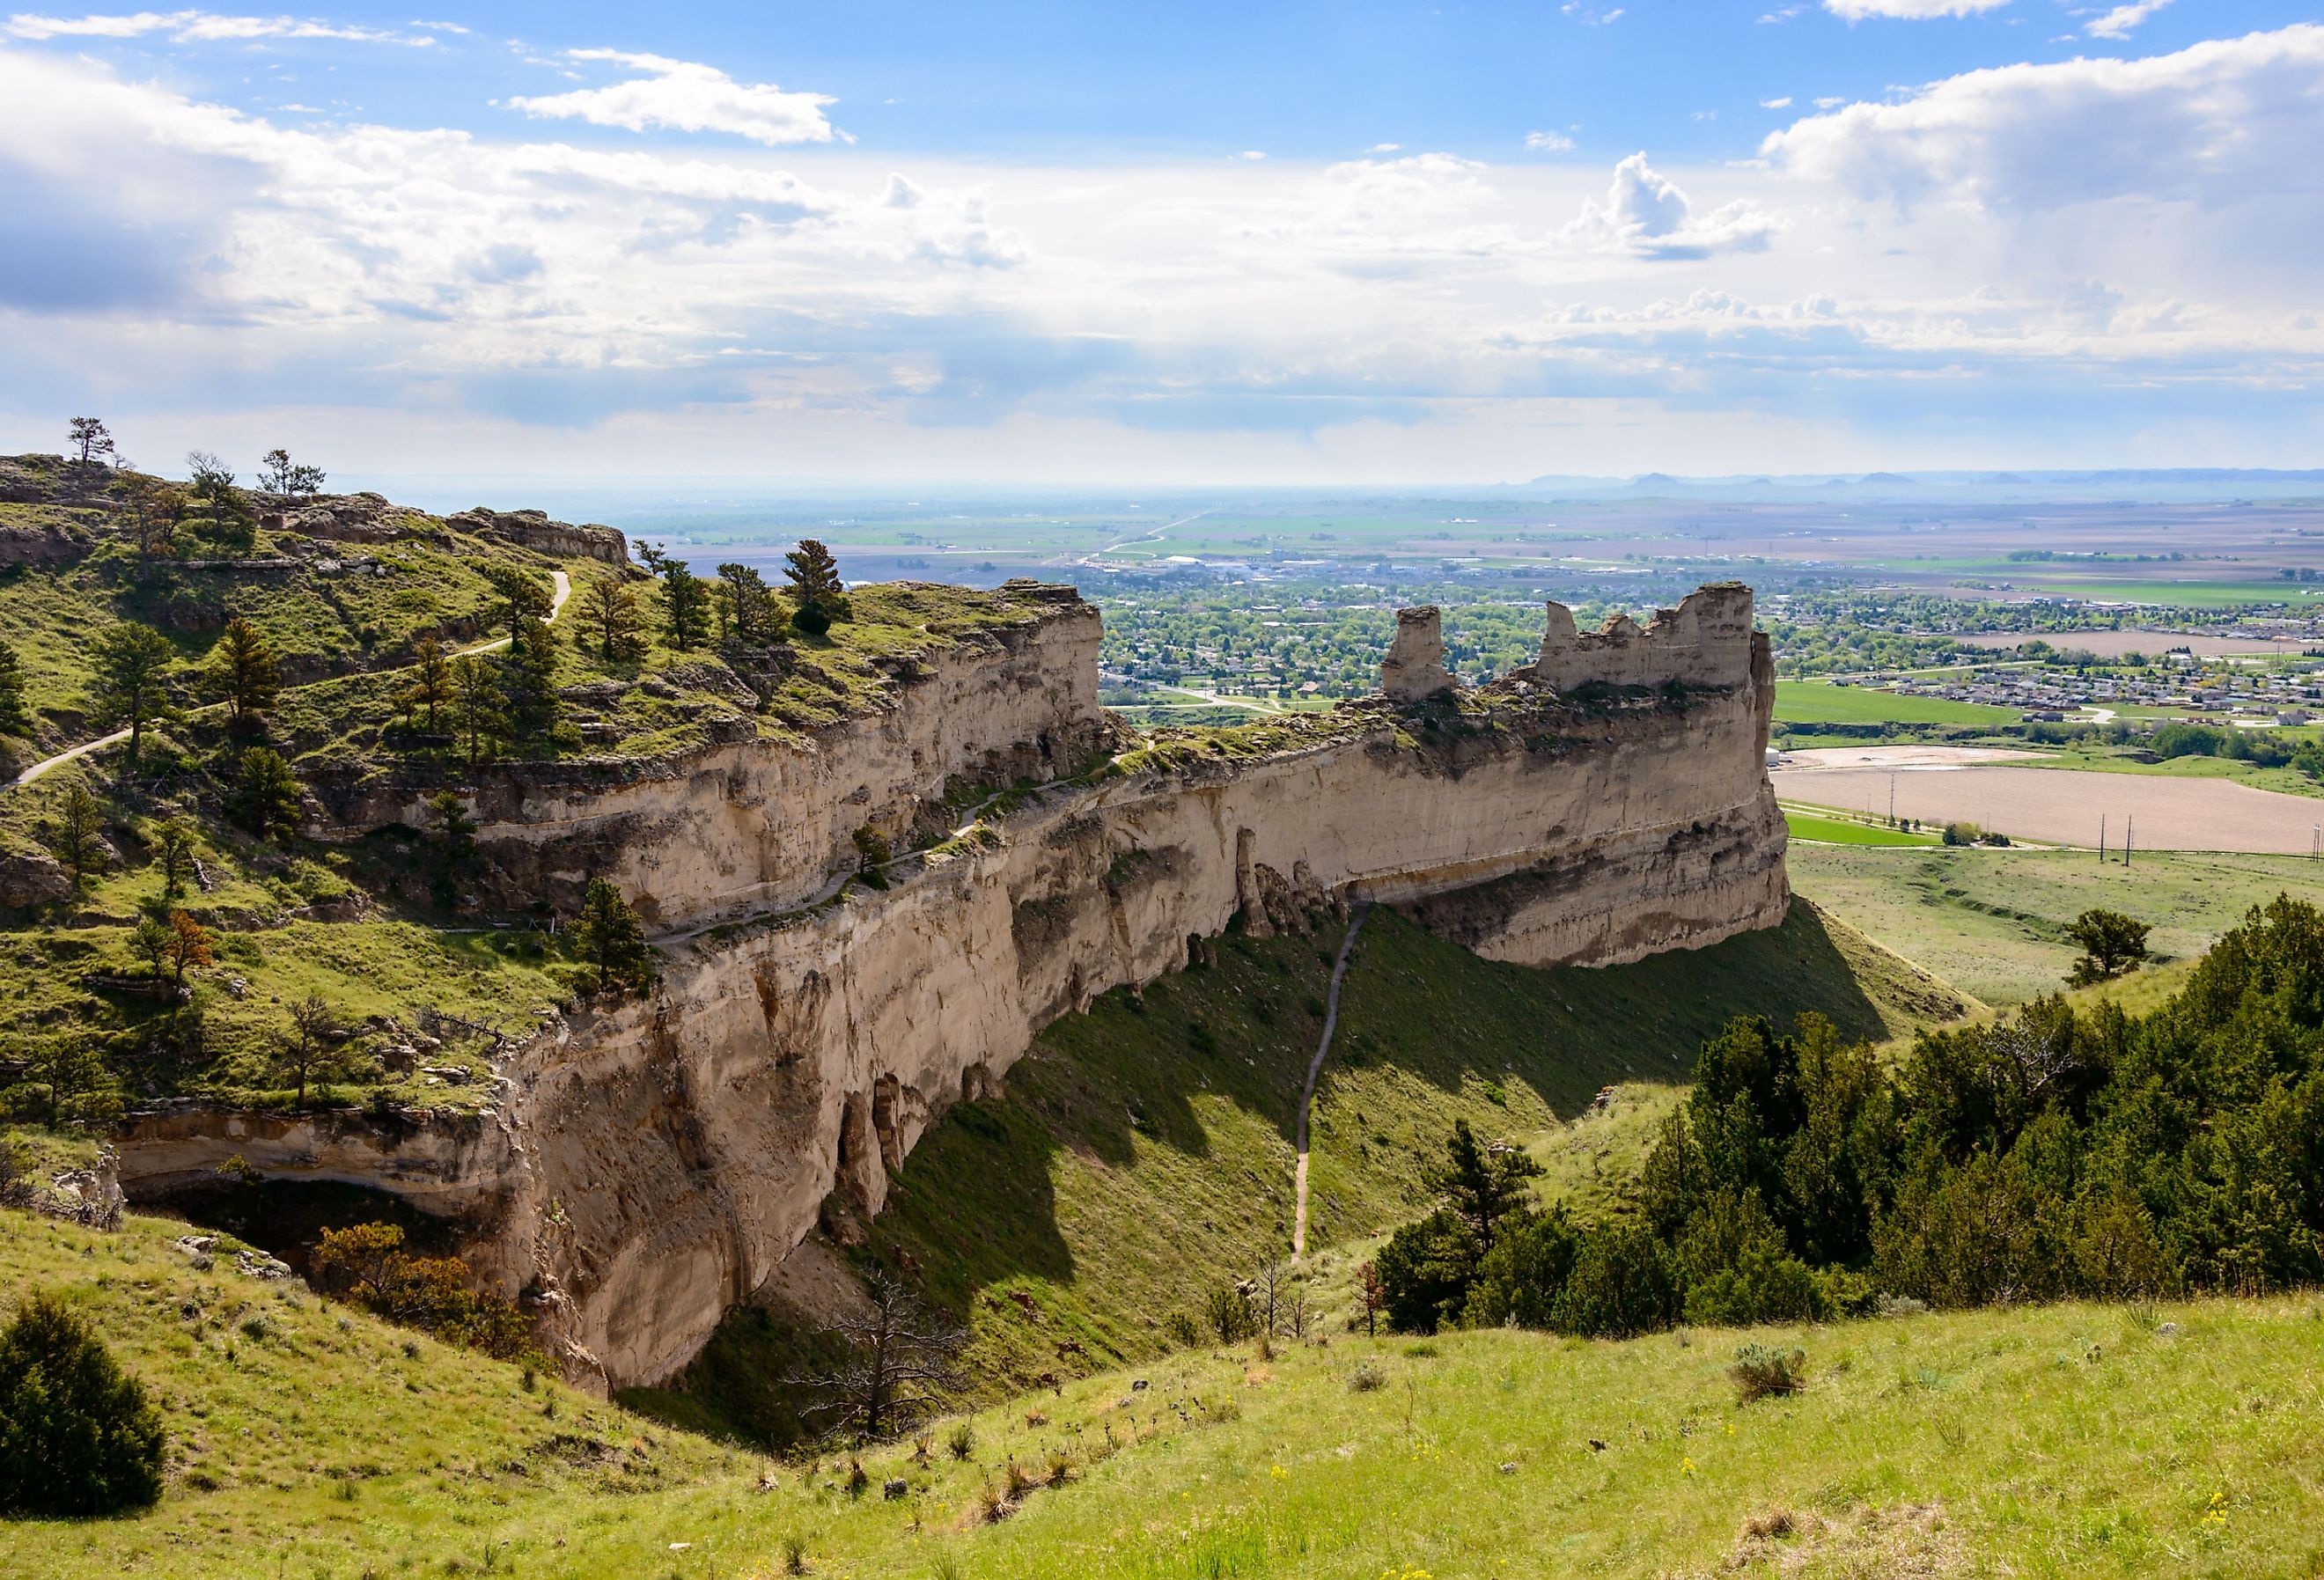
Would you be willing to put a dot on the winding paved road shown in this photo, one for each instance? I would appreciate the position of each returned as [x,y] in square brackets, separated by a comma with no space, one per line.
[556,608]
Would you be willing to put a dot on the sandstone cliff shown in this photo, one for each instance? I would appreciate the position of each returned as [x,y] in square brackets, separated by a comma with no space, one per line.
[653,1163]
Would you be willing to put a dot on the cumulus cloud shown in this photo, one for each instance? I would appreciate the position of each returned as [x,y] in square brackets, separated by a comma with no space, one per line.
[1547,142]
[687,96]
[2122,20]
[2221,123]
[1647,215]
[1910,10]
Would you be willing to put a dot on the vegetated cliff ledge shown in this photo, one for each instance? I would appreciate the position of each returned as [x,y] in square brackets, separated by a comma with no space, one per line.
[654,1162]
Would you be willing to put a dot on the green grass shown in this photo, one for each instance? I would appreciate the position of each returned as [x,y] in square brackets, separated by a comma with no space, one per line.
[2066,1441]
[1819,702]
[1144,1148]
[1835,830]
[1992,922]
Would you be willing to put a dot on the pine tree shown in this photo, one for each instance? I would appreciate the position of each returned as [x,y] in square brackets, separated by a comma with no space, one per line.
[1483,1185]
[815,587]
[15,718]
[78,1435]
[90,439]
[173,846]
[430,691]
[529,682]
[149,940]
[479,712]
[608,936]
[746,612]
[266,795]
[76,832]
[610,614]
[686,608]
[132,661]
[523,597]
[244,669]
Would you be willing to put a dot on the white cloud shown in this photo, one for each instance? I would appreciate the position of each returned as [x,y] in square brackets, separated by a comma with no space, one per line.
[1547,142]
[1647,215]
[2220,123]
[1910,10]
[1386,147]
[2122,20]
[1784,103]
[202,27]
[1252,155]
[1591,15]
[687,96]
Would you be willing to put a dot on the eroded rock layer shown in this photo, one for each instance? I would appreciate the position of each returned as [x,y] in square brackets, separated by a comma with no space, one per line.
[652,1163]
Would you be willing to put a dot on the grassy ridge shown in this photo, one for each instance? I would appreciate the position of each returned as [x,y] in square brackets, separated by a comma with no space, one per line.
[1143,1151]
[2072,1440]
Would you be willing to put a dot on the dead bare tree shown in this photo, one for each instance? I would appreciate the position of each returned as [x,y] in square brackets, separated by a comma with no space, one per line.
[899,1362]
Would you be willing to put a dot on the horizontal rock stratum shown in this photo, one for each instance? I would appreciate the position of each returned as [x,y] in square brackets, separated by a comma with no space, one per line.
[652,1163]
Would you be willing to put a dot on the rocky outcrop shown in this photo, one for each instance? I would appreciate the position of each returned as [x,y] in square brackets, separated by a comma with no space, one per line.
[768,823]
[652,1164]
[533,528]
[1415,669]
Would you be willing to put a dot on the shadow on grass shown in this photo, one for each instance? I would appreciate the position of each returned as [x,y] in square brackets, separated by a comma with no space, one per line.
[1143,1149]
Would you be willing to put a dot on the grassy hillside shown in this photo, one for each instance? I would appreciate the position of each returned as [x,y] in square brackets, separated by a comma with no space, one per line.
[2066,1441]
[1143,1151]
[1992,922]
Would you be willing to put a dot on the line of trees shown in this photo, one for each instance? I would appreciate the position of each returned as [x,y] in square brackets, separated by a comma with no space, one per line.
[2064,1151]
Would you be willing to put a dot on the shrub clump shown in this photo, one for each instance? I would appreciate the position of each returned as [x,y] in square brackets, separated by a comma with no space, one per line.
[367,1266]
[78,1435]
[1762,1370]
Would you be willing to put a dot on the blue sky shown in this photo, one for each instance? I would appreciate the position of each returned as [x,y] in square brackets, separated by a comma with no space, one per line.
[1200,242]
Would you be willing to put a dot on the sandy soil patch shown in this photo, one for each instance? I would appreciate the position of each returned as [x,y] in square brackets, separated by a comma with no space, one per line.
[1817,758]
[2062,806]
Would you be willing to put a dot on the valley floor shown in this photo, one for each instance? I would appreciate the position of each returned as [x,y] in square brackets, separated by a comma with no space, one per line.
[2063,1441]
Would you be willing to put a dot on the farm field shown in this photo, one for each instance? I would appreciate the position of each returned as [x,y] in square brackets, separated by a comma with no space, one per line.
[1819,702]
[2116,644]
[2063,806]
[1992,922]
[1841,831]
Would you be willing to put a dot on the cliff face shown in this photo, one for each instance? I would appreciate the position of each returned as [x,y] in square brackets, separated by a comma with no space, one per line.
[656,1163]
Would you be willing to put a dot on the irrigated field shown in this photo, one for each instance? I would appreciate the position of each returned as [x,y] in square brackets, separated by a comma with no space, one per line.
[1819,702]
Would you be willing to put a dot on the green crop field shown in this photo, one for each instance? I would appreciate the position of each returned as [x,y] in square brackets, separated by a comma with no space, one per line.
[1992,922]
[1824,830]
[1819,702]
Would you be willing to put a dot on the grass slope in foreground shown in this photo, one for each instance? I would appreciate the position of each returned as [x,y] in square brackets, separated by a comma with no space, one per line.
[2070,1440]
[1992,922]
[1143,1151]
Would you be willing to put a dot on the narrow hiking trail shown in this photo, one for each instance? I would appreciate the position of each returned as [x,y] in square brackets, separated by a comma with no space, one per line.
[556,608]
[1316,1068]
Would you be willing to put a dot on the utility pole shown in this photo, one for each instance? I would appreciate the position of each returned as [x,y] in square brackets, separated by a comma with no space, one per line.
[2129,838]
[2101,839]
[1892,799]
